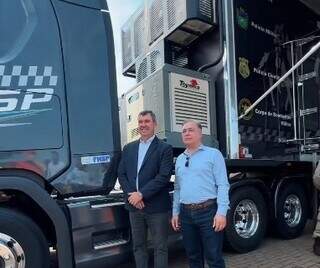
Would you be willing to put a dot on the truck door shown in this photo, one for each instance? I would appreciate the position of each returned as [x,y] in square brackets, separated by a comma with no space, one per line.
[32,88]
[89,68]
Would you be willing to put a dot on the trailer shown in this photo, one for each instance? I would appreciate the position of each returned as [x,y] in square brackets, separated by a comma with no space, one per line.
[248,71]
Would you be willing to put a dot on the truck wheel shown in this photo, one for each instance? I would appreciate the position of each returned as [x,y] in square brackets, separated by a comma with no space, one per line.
[247,220]
[22,243]
[292,211]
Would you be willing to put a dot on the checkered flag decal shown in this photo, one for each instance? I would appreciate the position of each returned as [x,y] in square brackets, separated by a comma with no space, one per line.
[258,134]
[32,76]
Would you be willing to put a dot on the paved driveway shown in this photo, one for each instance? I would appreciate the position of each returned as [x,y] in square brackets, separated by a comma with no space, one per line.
[273,253]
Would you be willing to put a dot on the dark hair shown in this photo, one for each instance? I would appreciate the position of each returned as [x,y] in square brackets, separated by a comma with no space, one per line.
[198,124]
[146,112]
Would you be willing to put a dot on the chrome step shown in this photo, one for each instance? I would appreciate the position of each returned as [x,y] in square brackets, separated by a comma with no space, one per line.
[110,244]
[104,205]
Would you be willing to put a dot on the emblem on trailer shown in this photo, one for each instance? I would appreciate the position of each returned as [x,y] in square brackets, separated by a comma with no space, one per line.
[193,84]
[242,18]
[244,69]
[244,104]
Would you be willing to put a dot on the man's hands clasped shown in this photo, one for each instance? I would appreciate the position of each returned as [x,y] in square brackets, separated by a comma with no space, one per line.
[136,200]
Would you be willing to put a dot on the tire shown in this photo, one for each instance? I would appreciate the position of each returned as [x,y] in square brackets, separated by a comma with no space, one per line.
[30,243]
[291,211]
[247,220]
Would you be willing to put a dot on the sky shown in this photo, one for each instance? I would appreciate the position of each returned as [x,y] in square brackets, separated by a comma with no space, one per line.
[120,11]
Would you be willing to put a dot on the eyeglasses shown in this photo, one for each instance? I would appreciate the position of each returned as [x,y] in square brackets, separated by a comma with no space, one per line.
[187,161]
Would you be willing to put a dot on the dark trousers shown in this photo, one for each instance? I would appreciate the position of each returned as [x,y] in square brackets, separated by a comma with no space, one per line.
[158,226]
[199,237]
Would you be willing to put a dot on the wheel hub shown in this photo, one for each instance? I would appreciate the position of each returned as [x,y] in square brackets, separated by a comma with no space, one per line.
[11,253]
[292,210]
[246,218]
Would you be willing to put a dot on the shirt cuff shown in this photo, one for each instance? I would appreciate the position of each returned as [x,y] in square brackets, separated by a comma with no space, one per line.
[175,211]
[222,210]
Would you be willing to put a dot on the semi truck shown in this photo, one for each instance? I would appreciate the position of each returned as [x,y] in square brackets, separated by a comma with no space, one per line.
[60,135]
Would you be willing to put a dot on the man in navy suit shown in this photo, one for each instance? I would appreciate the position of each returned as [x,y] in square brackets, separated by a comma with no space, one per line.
[144,174]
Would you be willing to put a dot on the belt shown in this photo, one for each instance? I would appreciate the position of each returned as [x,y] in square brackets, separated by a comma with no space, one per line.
[195,206]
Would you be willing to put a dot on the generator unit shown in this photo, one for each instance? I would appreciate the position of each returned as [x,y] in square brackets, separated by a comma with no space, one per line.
[177,21]
[188,19]
[174,94]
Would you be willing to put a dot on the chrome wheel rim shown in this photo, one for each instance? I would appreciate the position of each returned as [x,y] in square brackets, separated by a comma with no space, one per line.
[11,253]
[246,218]
[292,210]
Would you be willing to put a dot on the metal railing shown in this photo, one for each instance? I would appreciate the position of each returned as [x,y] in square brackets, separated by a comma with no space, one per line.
[284,77]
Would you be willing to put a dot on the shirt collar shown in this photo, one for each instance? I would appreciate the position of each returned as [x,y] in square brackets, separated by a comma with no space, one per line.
[200,148]
[148,140]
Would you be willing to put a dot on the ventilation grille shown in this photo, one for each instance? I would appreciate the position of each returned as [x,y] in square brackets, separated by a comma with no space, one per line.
[156,20]
[191,105]
[152,62]
[180,58]
[134,133]
[155,60]
[189,99]
[172,7]
[139,34]
[206,8]
[127,56]
[142,69]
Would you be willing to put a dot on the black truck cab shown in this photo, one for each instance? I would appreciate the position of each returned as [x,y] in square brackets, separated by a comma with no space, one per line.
[59,126]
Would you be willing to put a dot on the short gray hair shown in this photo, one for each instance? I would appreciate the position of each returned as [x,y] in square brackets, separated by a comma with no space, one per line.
[198,124]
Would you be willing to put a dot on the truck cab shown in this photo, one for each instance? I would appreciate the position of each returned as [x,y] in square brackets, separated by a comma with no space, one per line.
[60,142]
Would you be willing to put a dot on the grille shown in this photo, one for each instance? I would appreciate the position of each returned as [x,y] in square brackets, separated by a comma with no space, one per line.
[190,105]
[142,70]
[180,60]
[139,34]
[206,8]
[134,133]
[156,20]
[172,7]
[127,56]
[155,60]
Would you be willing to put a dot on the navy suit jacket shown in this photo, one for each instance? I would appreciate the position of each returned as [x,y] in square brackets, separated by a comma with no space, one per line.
[154,175]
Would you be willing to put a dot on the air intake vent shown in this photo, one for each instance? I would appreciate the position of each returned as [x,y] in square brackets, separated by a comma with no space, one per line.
[175,12]
[179,57]
[156,20]
[190,105]
[206,8]
[181,61]
[127,55]
[155,60]
[134,133]
[142,69]
[190,100]
[139,34]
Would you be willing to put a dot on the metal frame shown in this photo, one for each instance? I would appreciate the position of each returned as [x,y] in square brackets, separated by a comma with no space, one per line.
[230,83]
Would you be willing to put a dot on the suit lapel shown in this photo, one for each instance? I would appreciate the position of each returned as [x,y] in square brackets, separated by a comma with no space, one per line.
[153,146]
[135,154]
